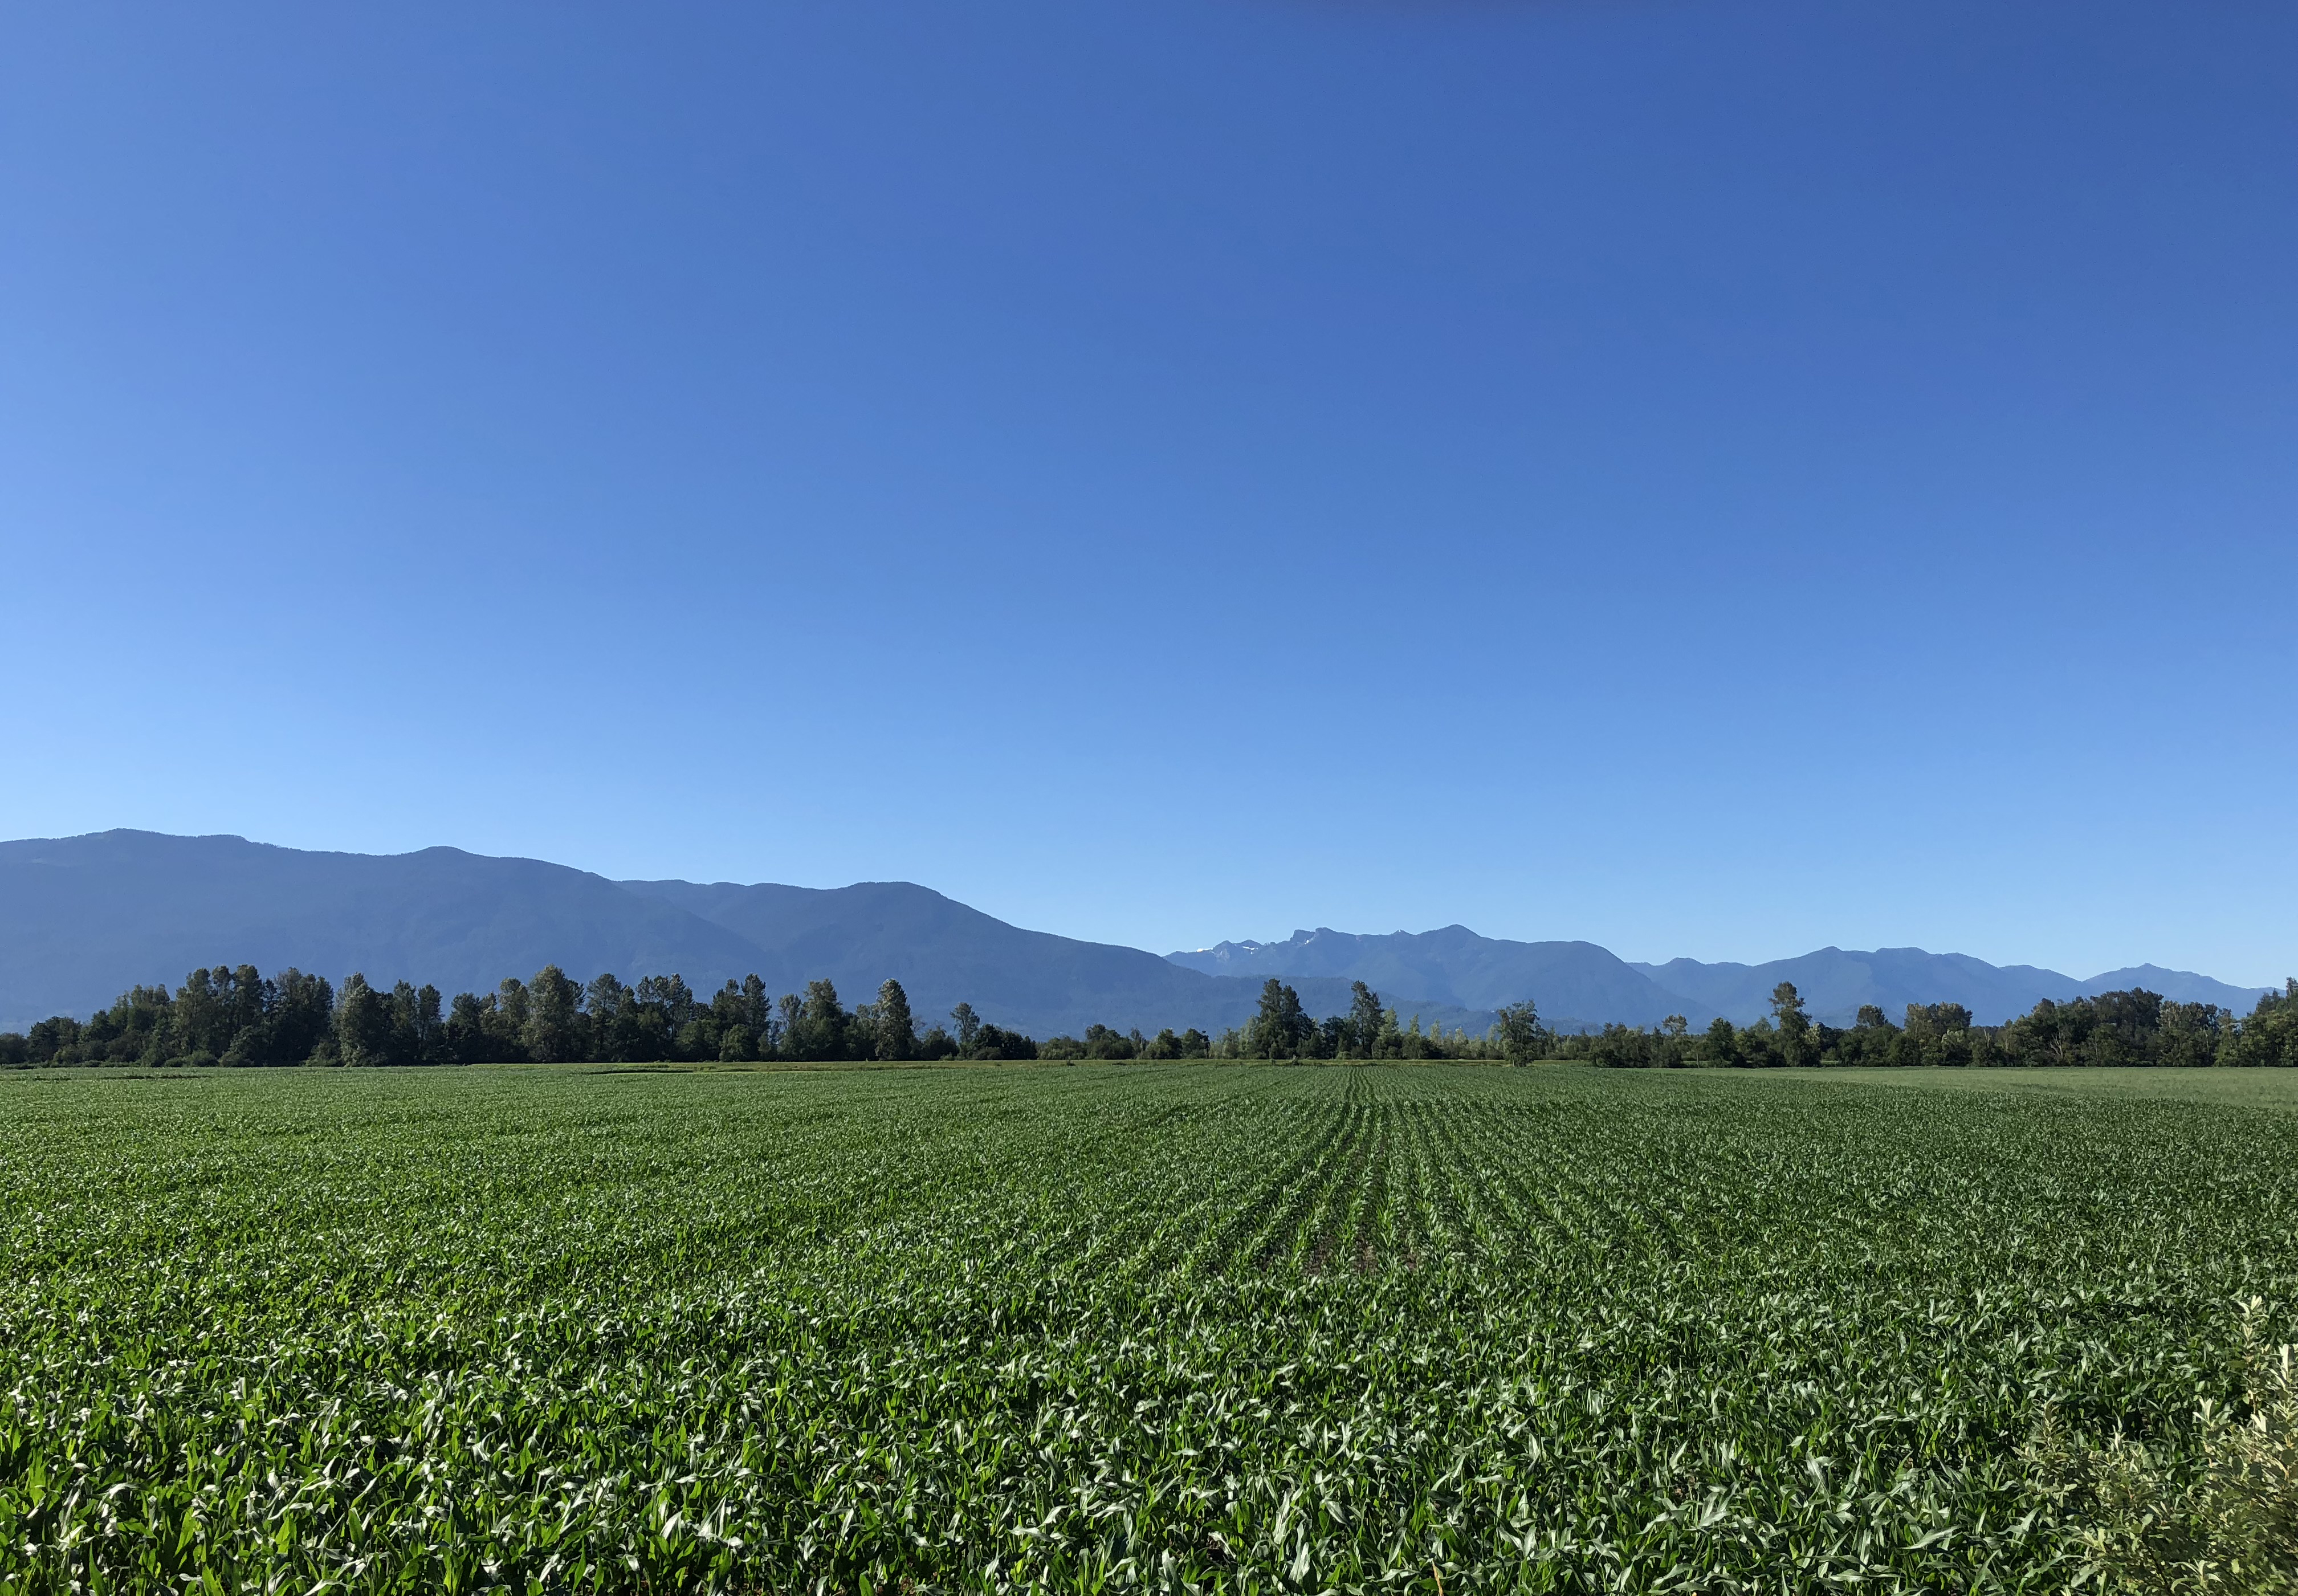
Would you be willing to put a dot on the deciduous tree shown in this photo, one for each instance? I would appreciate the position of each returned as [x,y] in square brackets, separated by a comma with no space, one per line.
[897,1033]
[1521,1038]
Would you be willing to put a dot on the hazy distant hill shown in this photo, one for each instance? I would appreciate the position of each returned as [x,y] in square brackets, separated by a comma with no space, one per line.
[1573,983]
[1579,983]
[2182,986]
[83,918]
[1834,983]
[943,952]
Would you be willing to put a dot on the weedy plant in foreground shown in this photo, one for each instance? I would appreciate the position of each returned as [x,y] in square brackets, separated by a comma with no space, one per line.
[2225,1523]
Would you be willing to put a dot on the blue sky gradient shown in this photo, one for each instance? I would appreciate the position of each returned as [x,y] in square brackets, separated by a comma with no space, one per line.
[1712,479]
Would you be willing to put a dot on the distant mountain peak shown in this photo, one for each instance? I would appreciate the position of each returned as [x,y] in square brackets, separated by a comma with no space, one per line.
[84,918]
[1579,982]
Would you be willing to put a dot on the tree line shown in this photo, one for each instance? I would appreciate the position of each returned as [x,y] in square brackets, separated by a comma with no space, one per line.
[235,1015]
[2135,1027]
[238,1016]
[1282,1029]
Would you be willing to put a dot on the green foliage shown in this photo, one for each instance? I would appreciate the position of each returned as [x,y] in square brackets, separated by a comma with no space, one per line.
[1797,1042]
[822,1024]
[1170,1044]
[2226,1521]
[1101,1042]
[2119,1027]
[2270,1034]
[238,1017]
[1365,1021]
[1154,1326]
[553,1031]
[2111,1029]
[1522,1037]
[1626,1046]
[994,1044]
[894,1034]
[232,1015]
[1281,1028]
[554,1019]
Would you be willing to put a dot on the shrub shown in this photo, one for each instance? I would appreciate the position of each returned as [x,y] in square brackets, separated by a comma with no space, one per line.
[2228,1526]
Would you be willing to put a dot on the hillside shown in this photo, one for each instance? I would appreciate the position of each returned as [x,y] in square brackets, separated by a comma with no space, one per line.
[83,918]
[1574,983]
[1834,983]
[944,951]
[1579,983]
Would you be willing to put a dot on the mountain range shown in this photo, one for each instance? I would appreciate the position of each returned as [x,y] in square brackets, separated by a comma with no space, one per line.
[83,918]
[1578,983]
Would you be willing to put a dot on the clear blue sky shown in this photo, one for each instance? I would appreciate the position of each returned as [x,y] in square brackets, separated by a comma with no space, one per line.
[1713,479]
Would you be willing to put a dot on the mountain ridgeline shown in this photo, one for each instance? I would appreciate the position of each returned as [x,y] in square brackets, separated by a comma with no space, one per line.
[1582,986]
[237,1016]
[2108,1030]
[85,919]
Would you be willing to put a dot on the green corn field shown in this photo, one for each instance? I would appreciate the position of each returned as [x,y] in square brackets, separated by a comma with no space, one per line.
[1172,1328]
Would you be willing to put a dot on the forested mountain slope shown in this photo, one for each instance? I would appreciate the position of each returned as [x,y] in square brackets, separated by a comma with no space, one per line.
[945,953]
[1835,983]
[1573,982]
[1579,982]
[84,918]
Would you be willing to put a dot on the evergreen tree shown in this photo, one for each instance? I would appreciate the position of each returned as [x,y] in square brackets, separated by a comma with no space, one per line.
[758,1014]
[1281,1027]
[821,1030]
